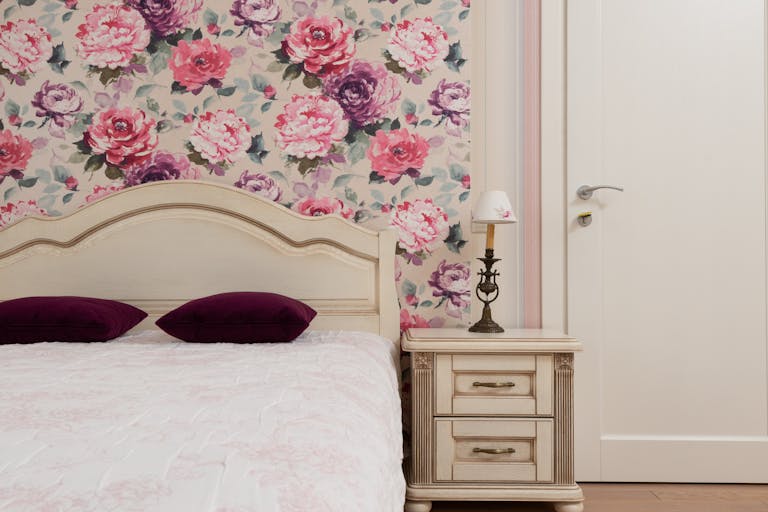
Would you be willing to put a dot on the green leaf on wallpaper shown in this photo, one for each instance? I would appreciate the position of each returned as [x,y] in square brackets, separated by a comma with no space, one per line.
[274,67]
[279,175]
[144,90]
[9,194]
[113,173]
[61,173]
[228,33]
[350,194]
[242,84]
[53,187]
[447,6]
[457,172]
[447,187]
[266,106]
[153,105]
[307,164]
[43,175]
[376,13]
[52,7]
[94,163]
[46,19]
[407,191]
[29,124]
[464,15]
[405,10]
[424,181]
[395,125]
[423,2]
[27,182]
[77,158]
[259,83]
[46,202]
[67,197]
[292,72]
[350,13]
[197,34]
[454,241]
[107,75]
[67,16]
[207,102]
[362,34]
[180,106]
[245,109]
[376,178]
[26,3]
[426,122]
[408,287]
[164,125]
[358,148]
[159,61]
[342,180]
[79,85]
[11,108]
[210,17]
[377,195]
[464,196]
[439,173]
[7,13]
[226,91]
[455,59]
[311,81]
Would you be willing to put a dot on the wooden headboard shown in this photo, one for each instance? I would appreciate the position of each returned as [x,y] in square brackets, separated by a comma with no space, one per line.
[159,245]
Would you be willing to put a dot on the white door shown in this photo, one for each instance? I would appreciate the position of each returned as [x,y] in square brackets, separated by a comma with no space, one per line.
[667,286]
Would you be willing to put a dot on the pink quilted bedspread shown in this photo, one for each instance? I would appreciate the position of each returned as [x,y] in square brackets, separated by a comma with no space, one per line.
[146,423]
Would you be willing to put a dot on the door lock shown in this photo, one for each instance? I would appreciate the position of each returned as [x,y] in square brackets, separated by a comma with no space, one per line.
[584,219]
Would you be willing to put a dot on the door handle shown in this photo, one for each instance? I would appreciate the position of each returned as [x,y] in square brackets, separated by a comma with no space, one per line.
[585,191]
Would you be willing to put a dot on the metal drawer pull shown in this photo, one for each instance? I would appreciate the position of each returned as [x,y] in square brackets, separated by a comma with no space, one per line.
[493,384]
[494,451]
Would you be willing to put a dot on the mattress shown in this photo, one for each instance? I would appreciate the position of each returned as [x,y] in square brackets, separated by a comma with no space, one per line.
[147,423]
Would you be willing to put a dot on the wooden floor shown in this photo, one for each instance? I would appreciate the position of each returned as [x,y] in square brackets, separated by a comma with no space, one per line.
[643,498]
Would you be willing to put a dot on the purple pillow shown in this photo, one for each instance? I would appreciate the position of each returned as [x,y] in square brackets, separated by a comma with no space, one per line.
[238,317]
[84,319]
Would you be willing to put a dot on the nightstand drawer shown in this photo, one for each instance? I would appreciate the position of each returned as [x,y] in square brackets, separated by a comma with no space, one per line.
[493,384]
[491,450]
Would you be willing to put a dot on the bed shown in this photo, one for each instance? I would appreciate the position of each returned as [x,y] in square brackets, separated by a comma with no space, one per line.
[149,423]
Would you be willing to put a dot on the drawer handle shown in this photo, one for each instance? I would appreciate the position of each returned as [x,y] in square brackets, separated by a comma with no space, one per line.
[493,384]
[494,451]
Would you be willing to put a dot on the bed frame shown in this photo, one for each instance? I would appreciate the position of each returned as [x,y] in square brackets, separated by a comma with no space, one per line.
[159,245]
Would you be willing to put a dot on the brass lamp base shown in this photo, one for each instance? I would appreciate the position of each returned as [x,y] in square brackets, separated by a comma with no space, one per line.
[490,290]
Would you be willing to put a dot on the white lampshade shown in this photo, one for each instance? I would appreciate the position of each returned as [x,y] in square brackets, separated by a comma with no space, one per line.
[493,207]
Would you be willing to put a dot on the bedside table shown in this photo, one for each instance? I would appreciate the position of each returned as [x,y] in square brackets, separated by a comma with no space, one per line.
[492,417]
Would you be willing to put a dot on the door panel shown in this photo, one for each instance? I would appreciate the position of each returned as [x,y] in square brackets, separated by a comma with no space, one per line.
[667,286]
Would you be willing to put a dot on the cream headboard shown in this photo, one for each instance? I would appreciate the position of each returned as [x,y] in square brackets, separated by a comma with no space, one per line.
[159,245]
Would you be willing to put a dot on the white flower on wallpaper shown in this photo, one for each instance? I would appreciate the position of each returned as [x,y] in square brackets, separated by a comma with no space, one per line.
[358,108]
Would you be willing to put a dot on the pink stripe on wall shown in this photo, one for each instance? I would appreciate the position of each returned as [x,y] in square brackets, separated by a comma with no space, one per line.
[532,164]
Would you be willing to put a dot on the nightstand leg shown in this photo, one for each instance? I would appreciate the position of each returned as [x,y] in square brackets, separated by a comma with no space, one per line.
[418,506]
[568,506]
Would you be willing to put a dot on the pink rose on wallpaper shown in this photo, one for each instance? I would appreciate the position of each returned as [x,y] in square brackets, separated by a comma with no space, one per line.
[24,46]
[197,63]
[315,207]
[366,91]
[452,282]
[408,321]
[166,17]
[11,212]
[452,101]
[418,44]
[310,125]
[57,103]
[99,191]
[323,44]
[125,136]
[395,152]
[221,136]
[160,167]
[261,184]
[421,225]
[111,36]
[259,16]
[15,152]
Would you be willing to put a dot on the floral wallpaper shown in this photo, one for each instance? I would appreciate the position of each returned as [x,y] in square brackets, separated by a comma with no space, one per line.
[353,107]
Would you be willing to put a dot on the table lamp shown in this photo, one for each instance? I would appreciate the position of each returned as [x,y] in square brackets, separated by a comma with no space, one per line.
[492,207]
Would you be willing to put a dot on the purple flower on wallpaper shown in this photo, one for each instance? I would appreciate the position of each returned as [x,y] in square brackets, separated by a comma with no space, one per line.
[166,17]
[452,101]
[58,103]
[258,15]
[451,282]
[366,91]
[162,166]
[260,184]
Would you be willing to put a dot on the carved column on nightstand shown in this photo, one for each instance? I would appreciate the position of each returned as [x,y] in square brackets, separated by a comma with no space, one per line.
[421,364]
[564,418]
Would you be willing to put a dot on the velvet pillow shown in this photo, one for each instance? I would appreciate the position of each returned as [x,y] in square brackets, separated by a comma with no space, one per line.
[83,319]
[238,317]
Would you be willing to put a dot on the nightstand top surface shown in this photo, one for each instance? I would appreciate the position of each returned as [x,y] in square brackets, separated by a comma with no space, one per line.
[511,340]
